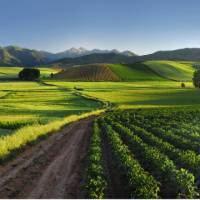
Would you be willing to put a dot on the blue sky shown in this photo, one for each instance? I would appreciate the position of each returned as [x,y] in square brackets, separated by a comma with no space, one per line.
[143,26]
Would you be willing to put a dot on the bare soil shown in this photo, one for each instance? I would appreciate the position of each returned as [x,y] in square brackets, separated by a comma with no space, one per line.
[53,168]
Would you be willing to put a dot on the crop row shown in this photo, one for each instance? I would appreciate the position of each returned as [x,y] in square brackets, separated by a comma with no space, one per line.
[187,130]
[140,183]
[185,159]
[170,136]
[96,182]
[180,182]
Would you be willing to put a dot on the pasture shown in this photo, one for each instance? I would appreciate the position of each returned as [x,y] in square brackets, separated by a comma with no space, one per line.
[139,94]
[26,103]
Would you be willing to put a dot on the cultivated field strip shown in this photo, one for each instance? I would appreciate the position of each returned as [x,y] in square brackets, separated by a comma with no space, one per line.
[95,181]
[168,169]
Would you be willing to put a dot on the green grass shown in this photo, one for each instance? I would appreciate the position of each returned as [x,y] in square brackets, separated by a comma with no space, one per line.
[31,109]
[25,103]
[140,94]
[172,70]
[10,144]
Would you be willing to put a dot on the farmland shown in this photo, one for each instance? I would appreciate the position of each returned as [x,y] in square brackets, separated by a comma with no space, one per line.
[155,152]
[139,94]
[95,72]
[31,106]
[136,136]
[154,70]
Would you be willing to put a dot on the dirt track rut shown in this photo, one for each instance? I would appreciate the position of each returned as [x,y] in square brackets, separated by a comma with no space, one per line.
[53,168]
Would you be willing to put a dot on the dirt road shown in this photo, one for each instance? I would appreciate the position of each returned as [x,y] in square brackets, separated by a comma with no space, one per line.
[53,168]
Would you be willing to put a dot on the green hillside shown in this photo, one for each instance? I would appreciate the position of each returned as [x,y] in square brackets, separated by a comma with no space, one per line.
[144,71]
[134,72]
[172,70]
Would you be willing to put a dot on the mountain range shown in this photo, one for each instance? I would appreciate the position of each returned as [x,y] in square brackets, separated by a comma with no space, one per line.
[17,56]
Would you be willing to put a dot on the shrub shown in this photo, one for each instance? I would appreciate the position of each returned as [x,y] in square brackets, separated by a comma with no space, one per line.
[183,85]
[29,74]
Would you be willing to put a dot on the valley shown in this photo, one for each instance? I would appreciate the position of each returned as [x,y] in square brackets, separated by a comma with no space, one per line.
[99,99]
[70,130]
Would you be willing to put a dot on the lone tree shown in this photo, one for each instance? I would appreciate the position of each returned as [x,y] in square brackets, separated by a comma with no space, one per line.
[29,74]
[183,85]
[196,78]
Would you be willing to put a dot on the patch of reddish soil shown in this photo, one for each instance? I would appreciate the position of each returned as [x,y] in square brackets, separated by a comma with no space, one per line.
[53,168]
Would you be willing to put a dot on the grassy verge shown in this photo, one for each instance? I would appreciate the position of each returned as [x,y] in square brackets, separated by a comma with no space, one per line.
[10,145]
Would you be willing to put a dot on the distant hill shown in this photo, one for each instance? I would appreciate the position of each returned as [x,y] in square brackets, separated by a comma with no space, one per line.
[17,56]
[154,70]
[190,54]
[94,58]
[77,52]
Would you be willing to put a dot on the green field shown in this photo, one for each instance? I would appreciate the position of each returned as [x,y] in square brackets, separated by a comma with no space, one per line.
[139,94]
[155,149]
[25,103]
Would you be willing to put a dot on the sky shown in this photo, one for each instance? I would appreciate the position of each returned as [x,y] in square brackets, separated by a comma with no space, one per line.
[142,26]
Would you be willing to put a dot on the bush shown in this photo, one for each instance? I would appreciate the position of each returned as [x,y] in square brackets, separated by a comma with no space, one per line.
[29,74]
[183,85]
[196,78]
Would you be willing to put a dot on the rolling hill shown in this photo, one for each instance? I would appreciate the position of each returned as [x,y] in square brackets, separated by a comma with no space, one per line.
[134,72]
[93,72]
[141,71]
[171,70]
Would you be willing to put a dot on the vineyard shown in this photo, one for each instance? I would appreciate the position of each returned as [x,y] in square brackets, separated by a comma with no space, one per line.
[150,153]
[92,72]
